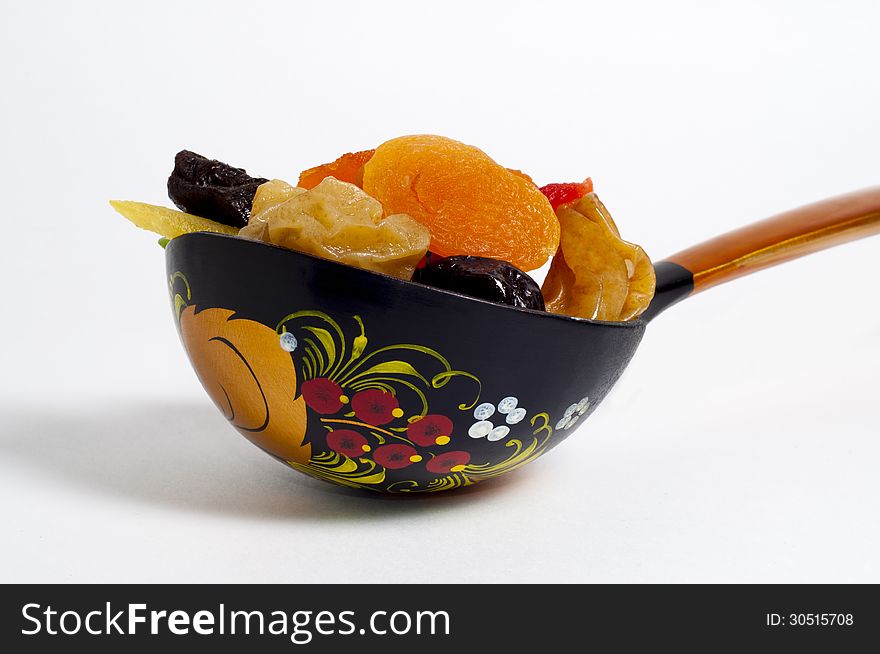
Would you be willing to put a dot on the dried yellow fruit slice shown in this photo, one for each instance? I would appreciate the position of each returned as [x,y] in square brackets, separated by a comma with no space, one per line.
[337,220]
[596,274]
[167,222]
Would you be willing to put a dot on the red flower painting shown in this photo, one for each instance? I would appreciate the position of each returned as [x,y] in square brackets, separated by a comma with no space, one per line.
[395,456]
[432,429]
[347,442]
[448,462]
[322,395]
[375,406]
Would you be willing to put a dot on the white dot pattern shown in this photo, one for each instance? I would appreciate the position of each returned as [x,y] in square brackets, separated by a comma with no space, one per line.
[499,432]
[507,405]
[480,429]
[484,411]
[516,416]
[288,342]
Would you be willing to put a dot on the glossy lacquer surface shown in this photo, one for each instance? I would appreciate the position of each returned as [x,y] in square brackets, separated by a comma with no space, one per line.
[766,243]
[375,383]
[783,237]
[372,382]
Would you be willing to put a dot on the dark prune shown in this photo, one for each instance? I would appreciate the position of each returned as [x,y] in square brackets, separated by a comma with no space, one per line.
[212,189]
[480,277]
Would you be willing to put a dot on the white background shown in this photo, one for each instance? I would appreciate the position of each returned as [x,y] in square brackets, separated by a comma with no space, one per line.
[742,443]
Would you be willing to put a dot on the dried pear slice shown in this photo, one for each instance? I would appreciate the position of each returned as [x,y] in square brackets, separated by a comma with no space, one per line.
[166,222]
[596,274]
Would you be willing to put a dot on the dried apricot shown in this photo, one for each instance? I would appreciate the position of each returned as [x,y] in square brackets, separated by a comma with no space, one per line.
[347,168]
[350,168]
[337,220]
[520,173]
[470,204]
[596,274]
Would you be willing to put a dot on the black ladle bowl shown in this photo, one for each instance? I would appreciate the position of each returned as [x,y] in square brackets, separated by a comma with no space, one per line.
[373,382]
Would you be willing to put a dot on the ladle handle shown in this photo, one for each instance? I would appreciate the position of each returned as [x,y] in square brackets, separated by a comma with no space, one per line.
[766,243]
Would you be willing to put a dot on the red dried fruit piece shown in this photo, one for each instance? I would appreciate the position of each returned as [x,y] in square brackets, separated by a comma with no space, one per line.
[559,194]
[347,442]
[429,258]
[396,456]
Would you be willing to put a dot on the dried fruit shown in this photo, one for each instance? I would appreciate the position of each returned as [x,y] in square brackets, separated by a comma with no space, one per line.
[488,279]
[347,168]
[559,194]
[350,168]
[428,258]
[338,221]
[212,189]
[520,173]
[595,274]
[471,204]
[170,223]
